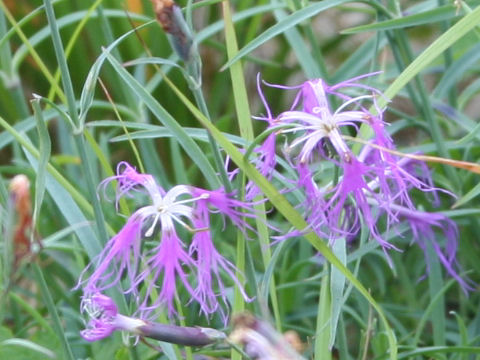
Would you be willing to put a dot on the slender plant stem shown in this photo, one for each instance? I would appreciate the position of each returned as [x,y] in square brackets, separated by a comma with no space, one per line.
[78,126]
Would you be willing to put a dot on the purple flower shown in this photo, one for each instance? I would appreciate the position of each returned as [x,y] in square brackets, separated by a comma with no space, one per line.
[104,318]
[172,258]
[372,185]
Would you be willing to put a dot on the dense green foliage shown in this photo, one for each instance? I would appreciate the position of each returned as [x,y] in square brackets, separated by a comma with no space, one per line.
[81,90]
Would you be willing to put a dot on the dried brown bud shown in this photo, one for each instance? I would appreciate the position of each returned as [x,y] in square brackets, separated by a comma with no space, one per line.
[163,10]
[170,17]
[20,196]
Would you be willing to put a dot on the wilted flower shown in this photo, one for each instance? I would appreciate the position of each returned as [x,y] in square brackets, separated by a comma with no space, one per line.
[104,319]
[184,206]
[374,183]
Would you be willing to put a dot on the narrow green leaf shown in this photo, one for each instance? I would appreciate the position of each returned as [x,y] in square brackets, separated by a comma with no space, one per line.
[470,195]
[324,321]
[190,147]
[463,331]
[304,55]
[245,125]
[426,17]
[456,32]
[282,26]
[29,345]
[57,324]
[88,91]
[34,313]
[435,284]
[435,350]
[69,209]
[44,149]
[163,132]
[337,285]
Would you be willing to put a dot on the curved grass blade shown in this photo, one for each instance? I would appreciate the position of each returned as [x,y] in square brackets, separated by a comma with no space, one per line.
[57,325]
[337,285]
[435,350]
[456,32]
[441,13]
[455,71]
[67,20]
[190,147]
[282,26]
[471,194]
[304,55]
[69,209]
[45,147]
[29,345]
[162,132]
[34,313]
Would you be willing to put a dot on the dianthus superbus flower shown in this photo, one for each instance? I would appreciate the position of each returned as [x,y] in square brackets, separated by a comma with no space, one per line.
[371,184]
[126,261]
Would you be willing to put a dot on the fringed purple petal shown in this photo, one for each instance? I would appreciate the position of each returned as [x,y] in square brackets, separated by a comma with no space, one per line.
[121,253]
[210,264]
[165,263]
[425,227]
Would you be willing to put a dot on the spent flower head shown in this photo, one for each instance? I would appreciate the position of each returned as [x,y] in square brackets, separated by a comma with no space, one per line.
[104,319]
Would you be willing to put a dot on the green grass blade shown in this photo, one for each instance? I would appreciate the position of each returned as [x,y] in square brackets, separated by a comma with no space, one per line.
[337,285]
[242,108]
[70,211]
[39,318]
[57,324]
[455,33]
[303,53]
[44,150]
[471,194]
[455,71]
[190,147]
[324,322]
[282,26]
[426,17]
[29,345]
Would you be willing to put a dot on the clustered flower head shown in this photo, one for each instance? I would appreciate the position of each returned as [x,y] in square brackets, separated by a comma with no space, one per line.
[126,260]
[372,183]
